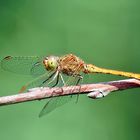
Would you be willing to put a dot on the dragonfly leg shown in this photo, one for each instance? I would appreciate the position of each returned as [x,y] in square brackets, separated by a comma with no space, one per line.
[78,81]
[62,79]
[48,78]
[57,80]
[55,76]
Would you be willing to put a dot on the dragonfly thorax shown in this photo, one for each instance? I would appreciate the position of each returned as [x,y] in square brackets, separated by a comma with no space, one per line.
[71,65]
[51,63]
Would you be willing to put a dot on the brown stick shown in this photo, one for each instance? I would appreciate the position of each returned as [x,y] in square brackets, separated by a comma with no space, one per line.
[42,93]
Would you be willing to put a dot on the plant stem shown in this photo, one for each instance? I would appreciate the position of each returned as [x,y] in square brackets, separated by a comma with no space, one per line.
[42,93]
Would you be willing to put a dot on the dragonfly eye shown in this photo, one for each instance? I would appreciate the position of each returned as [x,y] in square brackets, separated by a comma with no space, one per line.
[50,63]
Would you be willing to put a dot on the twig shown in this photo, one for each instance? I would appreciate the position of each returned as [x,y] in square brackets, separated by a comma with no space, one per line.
[92,90]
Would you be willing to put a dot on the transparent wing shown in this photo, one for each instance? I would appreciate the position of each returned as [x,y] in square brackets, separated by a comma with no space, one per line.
[38,69]
[40,81]
[28,65]
[55,102]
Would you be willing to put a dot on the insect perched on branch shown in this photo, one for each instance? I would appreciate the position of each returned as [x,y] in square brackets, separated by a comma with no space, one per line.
[51,70]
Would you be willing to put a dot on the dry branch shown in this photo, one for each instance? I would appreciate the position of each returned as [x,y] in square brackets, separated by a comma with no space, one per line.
[92,90]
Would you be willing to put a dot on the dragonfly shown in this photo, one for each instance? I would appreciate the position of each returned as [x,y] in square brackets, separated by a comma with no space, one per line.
[51,70]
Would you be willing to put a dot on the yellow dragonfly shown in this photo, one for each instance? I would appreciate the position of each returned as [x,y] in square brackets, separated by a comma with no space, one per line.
[50,71]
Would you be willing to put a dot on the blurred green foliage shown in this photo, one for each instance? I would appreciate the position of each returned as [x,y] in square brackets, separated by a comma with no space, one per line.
[102,32]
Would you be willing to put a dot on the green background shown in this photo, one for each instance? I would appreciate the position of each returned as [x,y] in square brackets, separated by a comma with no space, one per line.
[106,33]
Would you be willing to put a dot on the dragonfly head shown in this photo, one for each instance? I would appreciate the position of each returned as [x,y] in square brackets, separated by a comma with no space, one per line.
[51,63]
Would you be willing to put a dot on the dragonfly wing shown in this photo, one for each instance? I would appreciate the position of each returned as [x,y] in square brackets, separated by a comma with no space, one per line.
[55,102]
[38,69]
[28,65]
[40,81]
[72,80]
